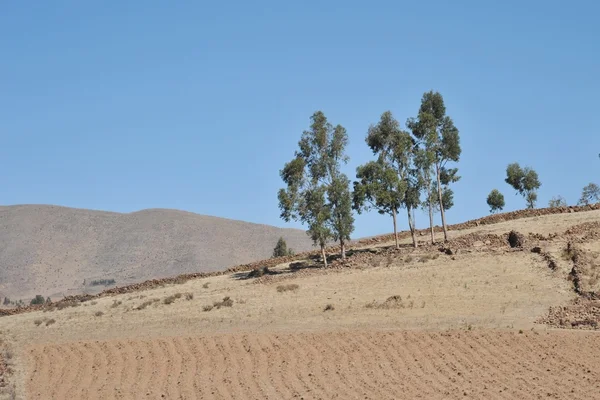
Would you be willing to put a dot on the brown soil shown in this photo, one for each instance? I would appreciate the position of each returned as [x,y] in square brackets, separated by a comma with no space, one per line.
[353,365]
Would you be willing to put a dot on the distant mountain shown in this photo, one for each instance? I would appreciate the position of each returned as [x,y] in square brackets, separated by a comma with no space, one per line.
[51,250]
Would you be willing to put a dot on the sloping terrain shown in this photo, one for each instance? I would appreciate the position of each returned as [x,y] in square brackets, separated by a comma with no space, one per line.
[472,318]
[51,250]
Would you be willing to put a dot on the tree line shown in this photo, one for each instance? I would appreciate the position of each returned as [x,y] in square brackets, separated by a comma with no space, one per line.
[413,168]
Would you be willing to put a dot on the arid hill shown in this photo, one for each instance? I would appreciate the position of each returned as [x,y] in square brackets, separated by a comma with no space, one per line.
[52,250]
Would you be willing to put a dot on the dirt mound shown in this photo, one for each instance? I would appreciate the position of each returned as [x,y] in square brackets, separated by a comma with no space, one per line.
[350,365]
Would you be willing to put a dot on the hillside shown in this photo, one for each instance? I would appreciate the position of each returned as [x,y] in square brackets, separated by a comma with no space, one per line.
[51,250]
[476,317]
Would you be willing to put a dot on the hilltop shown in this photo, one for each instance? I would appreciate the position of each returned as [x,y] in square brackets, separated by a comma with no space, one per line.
[51,250]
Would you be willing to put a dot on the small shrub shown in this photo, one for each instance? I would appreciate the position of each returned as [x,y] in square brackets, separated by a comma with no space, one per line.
[171,299]
[38,322]
[146,304]
[94,303]
[205,286]
[329,307]
[226,302]
[258,272]
[287,288]
[189,296]
[520,331]
[207,308]
[102,282]
[37,300]
[98,313]
[50,322]
[408,259]
[116,304]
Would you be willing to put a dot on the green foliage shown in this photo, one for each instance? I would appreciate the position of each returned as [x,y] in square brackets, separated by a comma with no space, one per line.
[317,193]
[380,187]
[38,299]
[440,141]
[557,201]
[387,184]
[495,200]
[525,181]
[281,249]
[590,194]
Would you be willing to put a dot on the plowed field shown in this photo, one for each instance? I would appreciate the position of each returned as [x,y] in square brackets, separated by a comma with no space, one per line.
[352,365]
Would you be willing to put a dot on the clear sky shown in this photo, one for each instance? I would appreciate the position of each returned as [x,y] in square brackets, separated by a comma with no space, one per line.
[196,105]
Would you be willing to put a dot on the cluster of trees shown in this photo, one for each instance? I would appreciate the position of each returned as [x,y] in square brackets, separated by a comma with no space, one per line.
[410,171]
[281,249]
[526,182]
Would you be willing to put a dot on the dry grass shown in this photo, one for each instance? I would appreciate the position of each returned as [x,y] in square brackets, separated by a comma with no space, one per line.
[287,288]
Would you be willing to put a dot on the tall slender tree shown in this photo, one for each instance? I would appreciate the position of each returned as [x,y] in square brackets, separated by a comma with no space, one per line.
[317,192]
[379,187]
[394,150]
[440,139]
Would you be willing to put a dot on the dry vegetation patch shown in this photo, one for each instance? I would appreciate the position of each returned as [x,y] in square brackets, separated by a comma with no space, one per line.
[292,287]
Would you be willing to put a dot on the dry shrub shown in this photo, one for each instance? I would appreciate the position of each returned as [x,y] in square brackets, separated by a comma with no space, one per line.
[171,299]
[428,257]
[207,307]
[258,272]
[390,302]
[116,304]
[408,259]
[50,322]
[287,288]
[226,302]
[146,304]
[38,322]
[189,296]
[98,313]
[329,307]
[205,286]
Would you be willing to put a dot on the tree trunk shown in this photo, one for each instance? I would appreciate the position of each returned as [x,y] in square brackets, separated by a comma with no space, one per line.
[430,213]
[324,255]
[343,248]
[395,229]
[411,226]
[439,189]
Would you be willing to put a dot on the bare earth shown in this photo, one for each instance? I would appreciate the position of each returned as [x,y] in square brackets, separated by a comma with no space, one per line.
[52,251]
[402,325]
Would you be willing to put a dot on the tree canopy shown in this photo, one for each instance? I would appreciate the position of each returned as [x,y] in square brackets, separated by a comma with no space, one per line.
[495,200]
[439,138]
[590,194]
[525,181]
[317,192]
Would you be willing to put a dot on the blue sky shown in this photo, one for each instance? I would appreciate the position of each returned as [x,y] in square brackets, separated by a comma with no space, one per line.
[197,105]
